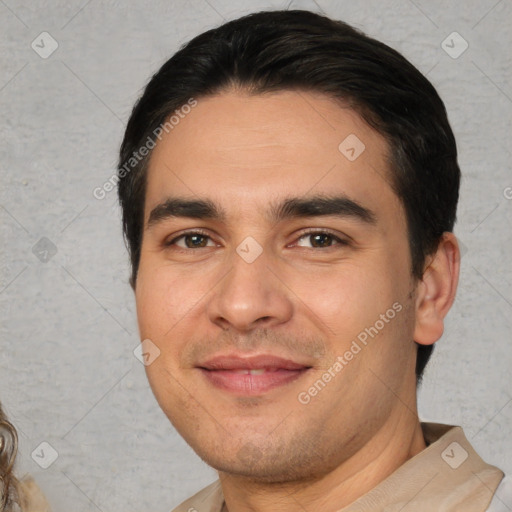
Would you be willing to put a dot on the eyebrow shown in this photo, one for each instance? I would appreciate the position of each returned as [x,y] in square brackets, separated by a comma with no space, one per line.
[294,207]
[339,206]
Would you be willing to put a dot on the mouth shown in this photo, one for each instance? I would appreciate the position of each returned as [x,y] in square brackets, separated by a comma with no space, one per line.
[253,375]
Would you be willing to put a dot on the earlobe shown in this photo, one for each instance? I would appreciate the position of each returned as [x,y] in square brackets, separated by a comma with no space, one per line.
[436,290]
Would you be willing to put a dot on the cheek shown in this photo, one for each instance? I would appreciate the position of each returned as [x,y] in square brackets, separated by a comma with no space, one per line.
[345,299]
[163,299]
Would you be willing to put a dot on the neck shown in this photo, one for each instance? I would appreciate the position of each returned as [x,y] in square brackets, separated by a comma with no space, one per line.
[393,444]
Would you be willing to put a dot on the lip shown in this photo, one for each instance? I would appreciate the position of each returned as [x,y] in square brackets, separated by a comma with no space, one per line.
[231,373]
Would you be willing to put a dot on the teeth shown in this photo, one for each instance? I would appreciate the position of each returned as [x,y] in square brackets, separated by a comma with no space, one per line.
[259,371]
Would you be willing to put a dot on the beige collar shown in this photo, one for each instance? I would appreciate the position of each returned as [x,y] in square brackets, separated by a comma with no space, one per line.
[448,475]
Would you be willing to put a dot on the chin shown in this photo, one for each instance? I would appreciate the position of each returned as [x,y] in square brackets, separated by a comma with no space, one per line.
[265,466]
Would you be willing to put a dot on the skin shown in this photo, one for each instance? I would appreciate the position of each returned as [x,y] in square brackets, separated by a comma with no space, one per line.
[297,300]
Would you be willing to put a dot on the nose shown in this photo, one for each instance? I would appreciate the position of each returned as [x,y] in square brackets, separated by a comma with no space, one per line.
[251,296]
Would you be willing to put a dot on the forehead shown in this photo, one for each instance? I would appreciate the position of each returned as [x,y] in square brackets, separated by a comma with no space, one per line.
[244,150]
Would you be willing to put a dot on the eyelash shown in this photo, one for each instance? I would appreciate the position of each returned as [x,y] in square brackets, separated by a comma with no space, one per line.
[311,231]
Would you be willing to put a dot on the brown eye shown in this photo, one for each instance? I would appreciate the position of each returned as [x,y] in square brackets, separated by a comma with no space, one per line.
[319,240]
[192,241]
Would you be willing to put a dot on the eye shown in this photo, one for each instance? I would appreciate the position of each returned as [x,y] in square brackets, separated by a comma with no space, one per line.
[319,239]
[191,240]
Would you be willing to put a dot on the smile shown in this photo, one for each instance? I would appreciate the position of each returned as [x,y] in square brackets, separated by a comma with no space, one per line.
[251,375]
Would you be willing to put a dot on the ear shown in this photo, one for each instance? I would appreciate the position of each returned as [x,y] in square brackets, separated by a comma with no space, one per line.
[435,292]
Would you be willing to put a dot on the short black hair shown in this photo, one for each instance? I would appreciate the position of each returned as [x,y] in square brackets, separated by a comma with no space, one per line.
[300,50]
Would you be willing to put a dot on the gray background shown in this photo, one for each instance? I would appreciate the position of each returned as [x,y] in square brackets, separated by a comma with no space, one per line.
[68,375]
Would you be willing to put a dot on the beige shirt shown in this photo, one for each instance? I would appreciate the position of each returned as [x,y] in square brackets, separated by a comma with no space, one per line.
[447,476]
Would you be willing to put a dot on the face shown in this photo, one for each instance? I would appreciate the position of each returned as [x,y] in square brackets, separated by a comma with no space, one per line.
[275,280]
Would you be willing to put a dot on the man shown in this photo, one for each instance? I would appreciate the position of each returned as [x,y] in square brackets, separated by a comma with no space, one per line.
[289,189]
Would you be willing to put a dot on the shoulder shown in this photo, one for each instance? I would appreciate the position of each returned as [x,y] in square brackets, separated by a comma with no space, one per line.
[31,497]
